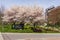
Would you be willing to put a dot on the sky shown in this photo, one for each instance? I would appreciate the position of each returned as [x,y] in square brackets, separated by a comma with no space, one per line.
[44,3]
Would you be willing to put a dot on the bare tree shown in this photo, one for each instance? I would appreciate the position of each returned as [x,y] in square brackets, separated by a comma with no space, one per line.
[1,13]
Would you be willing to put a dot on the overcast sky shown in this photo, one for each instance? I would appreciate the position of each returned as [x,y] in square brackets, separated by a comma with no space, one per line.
[43,3]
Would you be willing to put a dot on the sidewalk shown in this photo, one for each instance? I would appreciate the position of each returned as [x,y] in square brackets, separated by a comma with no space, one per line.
[1,38]
[31,36]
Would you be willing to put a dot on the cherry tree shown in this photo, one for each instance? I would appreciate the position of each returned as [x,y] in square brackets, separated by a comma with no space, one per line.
[23,13]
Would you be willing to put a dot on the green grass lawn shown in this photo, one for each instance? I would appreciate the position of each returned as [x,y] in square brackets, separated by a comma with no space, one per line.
[7,28]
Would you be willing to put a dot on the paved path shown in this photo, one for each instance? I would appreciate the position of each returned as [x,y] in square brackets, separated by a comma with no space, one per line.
[30,36]
[1,38]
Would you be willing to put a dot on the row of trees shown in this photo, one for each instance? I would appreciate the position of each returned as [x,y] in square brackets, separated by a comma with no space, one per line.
[26,14]
[31,14]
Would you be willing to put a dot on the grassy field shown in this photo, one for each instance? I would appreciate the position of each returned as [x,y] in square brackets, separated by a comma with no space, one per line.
[27,29]
[8,28]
